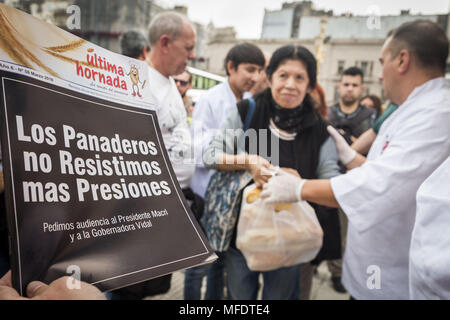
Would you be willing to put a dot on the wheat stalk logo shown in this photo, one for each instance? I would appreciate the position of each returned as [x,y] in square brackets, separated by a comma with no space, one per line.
[13,43]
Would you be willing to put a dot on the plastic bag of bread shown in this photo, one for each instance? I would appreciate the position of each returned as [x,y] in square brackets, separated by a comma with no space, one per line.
[272,236]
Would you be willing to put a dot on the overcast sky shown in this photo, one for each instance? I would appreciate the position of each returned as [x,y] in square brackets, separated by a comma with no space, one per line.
[247,15]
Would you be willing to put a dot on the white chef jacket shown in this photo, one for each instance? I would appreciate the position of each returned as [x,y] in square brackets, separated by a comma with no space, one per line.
[210,112]
[174,126]
[429,264]
[379,197]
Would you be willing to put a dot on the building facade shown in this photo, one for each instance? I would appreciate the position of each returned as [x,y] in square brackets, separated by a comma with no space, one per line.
[338,42]
[285,23]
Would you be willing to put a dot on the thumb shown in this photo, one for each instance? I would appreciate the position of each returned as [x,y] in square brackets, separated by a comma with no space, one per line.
[333,132]
[8,293]
[36,288]
[266,171]
[338,138]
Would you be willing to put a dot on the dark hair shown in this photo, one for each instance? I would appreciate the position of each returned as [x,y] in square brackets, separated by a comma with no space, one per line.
[244,53]
[132,43]
[320,103]
[376,102]
[353,71]
[291,52]
[425,39]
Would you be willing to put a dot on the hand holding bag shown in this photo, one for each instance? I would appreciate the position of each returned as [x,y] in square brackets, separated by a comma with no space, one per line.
[272,236]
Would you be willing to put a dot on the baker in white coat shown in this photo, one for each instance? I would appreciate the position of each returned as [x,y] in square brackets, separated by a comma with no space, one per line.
[429,268]
[379,196]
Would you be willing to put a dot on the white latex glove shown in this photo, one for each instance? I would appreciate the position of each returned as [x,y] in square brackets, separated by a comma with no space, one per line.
[345,152]
[283,187]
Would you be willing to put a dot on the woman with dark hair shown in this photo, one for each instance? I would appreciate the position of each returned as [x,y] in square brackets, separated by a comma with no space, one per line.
[372,101]
[284,113]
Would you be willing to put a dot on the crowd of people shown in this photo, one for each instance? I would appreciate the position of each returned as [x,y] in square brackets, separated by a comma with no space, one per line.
[371,170]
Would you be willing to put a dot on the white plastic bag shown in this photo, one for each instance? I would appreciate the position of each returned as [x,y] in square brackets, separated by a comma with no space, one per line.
[272,236]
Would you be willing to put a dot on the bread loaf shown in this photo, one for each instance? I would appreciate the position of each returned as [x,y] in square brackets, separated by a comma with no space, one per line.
[253,195]
[279,206]
[266,239]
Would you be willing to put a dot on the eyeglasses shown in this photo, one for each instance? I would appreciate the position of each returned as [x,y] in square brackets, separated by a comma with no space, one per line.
[182,82]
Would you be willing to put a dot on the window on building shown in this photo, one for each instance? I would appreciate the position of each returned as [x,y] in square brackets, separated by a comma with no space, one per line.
[341,66]
[336,93]
[366,67]
[371,68]
[363,67]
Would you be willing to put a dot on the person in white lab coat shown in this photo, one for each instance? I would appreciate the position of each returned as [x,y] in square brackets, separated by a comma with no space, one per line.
[379,196]
[429,266]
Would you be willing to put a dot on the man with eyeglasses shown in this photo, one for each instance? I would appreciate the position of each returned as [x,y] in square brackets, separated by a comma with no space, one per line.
[184,83]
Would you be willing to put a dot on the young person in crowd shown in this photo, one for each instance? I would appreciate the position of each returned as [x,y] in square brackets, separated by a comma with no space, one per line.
[372,101]
[243,64]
